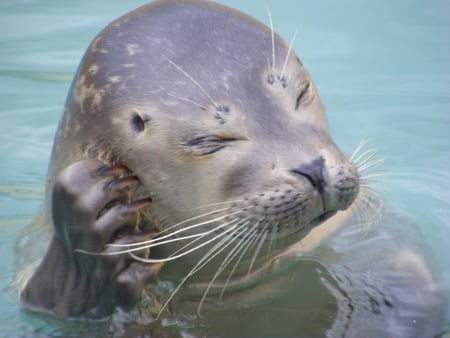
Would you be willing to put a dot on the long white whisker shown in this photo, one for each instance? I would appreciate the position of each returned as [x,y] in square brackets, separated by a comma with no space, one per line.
[372,186]
[188,101]
[198,224]
[372,176]
[246,245]
[271,241]
[250,240]
[217,247]
[371,164]
[360,145]
[195,83]
[194,218]
[155,244]
[184,253]
[273,38]
[288,53]
[241,229]
[232,254]
[365,156]
[213,205]
[200,264]
[159,239]
[371,200]
[180,239]
[257,250]
[368,200]
[235,221]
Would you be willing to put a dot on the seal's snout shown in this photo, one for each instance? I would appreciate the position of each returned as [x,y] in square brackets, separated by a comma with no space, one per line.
[313,172]
[337,186]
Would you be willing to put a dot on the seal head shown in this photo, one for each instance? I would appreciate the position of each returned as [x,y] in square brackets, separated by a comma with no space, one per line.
[208,109]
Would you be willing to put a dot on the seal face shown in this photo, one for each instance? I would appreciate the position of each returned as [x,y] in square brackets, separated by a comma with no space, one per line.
[220,125]
[202,112]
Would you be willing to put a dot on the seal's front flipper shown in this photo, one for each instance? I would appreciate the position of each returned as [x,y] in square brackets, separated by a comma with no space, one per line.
[80,275]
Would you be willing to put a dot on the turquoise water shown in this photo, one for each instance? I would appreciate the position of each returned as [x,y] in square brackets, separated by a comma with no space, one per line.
[382,69]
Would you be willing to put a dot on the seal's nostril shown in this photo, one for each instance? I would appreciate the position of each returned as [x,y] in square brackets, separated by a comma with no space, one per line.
[313,172]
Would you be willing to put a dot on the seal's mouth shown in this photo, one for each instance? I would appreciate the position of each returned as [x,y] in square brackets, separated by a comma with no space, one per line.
[302,231]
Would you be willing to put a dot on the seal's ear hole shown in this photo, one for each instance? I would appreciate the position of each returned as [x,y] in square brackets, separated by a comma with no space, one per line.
[138,122]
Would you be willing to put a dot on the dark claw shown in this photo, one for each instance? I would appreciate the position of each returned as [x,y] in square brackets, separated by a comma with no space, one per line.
[118,218]
[122,182]
[135,206]
[108,171]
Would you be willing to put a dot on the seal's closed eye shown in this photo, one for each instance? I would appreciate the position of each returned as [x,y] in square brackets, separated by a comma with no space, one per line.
[205,145]
[303,95]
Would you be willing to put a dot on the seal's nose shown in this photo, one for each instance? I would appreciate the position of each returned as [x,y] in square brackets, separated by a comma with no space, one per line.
[313,172]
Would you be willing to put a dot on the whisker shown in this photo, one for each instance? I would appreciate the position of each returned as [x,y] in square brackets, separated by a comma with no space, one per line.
[158,239]
[373,186]
[215,204]
[194,218]
[272,240]
[190,227]
[373,196]
[250,240]
[235,221]
[147,244]
[218,245]
[257,250]
[288,53]
[360,145]
[213,252]
[227,260]
[370,200]
[245,246]
[272,37]
[365,156]
[188,101]
[371,164]
[184,253]
[372,176]
[232,254]
[194,82]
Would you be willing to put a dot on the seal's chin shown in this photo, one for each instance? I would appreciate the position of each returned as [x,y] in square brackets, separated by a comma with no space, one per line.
[303,230]
[322,218]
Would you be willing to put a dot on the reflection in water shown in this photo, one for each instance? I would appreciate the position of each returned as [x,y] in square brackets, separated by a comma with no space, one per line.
[38,76]
[22,192]
[383,284]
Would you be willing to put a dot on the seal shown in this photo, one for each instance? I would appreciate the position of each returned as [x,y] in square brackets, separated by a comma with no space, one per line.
[193,137]
[194,147]
[204,131]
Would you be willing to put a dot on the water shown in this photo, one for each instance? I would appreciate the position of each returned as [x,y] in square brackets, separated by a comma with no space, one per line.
[382,69]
